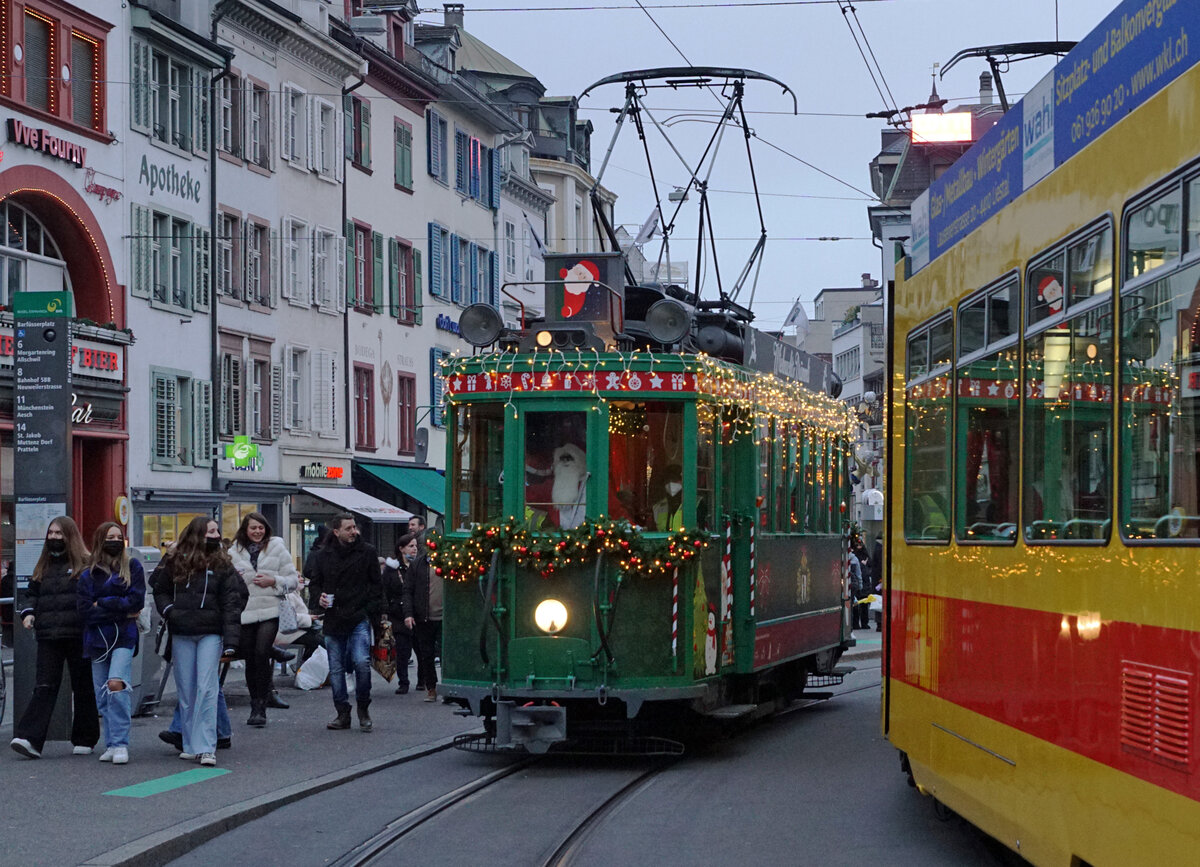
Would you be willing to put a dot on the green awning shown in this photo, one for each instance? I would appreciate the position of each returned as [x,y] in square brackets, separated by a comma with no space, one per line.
[426,486]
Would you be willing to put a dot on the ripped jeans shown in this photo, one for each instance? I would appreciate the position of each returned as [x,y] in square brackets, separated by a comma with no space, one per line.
[115,707]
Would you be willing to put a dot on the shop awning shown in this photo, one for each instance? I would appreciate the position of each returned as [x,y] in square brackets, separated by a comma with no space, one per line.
[354,500]
[426,486]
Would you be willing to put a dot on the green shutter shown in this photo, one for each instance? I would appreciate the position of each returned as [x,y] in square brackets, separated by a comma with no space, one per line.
[393,278]
[364,131]
[351,288]
[377,271]
[416,272]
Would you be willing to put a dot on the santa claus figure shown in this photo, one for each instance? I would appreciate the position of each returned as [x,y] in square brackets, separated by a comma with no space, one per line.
[1050,293]
[558,497]
[577,280]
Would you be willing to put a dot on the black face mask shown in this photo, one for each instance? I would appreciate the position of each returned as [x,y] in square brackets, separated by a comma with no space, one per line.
[113,547]
[211,545]
[56,547]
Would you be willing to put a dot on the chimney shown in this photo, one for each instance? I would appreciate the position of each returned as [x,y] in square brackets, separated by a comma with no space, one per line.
[453,14]
[867,282]
[985,88]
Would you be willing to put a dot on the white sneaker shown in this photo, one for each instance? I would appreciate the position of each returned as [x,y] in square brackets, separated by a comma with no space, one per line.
[120,755]
[188,757]
[81,751]
[107,755]
[208,760]
[24,748]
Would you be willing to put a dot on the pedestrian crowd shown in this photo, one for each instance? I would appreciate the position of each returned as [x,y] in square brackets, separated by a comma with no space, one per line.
[218,600]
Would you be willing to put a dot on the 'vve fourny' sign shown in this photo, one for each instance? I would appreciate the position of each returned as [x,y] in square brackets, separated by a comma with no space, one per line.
[42,140]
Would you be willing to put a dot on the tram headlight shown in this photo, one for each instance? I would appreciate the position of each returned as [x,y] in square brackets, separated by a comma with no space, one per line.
[550,616]
[544,338]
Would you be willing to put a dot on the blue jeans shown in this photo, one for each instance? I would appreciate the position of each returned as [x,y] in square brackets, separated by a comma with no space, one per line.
[115,707]
[346,651]
[224,727]
[195,659]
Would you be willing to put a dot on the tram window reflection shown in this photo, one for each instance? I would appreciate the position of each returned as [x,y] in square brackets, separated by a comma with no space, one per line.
[1193,227]
[1153,234]
[706,447]
[1003,312]
[1068,429]
[556,472]
[1089,265]
[645,461]
[1160,409]
[477,475]
[989,415]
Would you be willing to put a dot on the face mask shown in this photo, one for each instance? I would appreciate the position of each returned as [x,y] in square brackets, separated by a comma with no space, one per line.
[56,547]
[113,547]
[211,544]
[674,489]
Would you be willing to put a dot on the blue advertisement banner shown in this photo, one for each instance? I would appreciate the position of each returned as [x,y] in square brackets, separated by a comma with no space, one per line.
[984,180]
[1140,48]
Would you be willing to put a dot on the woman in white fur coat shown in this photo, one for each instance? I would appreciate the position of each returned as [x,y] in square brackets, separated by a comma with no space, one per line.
[266,566]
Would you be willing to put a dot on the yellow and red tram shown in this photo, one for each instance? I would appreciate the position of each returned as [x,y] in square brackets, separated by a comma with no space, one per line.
[1042,656]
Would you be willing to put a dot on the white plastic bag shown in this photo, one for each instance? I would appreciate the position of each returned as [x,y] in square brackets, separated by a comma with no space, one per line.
[315,671]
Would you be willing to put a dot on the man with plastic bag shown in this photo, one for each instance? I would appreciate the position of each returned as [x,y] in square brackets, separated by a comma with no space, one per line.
[347,589]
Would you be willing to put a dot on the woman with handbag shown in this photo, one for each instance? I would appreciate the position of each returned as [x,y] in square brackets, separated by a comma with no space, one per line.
[52,611]
[267,568]
[111,594]
[198,592]
[398,598]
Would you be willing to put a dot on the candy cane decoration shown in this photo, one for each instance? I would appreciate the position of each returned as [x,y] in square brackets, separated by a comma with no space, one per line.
[727,597]
[675,614]
[753,573]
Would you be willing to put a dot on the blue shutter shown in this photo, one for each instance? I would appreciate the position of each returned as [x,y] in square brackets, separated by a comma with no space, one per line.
[473,267]
[494,161]
[436,288]
[476,168]
[436,388]
[431,150]
[461,161]
[494,289]
[456,275]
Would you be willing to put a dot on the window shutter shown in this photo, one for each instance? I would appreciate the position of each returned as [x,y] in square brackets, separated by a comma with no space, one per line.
[433,149]
[325,394]
[271,258]
[276,401]
[461,166]
[140,85]
[394,279]
[437,387]
[494,289]
[140,248]
[290,372]
[377,271]
[311,115]
[286,123]
[351,269]
[202,438]
[435,261]
[202,82]
[341,269]
[475,156]
[164,398]
[339,144]
[315,295]
[473,276]
[348,124]
[274,100]
[202,269]
[494,160]
[417,280]
[244,229]
[456,275]
[288,255]
[364,131]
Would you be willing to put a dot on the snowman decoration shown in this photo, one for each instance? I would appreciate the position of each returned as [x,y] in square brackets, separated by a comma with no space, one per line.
[577,280]
[710,643]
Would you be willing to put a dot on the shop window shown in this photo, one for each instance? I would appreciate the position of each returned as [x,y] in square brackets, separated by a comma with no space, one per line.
[556,473]
[645,464]
[477,471]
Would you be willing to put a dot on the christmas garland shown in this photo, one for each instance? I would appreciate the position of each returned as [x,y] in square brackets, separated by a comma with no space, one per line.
[544,552]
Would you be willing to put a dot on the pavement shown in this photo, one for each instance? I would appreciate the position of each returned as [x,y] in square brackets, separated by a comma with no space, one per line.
[67,809]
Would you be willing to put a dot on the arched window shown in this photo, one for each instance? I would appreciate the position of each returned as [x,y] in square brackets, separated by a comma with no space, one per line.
[29,256]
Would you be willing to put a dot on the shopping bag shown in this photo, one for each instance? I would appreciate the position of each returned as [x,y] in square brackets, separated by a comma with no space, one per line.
[383,653]
[315,671]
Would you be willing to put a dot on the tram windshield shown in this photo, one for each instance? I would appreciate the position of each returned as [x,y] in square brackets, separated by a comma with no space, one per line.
[477,476]
[645,464]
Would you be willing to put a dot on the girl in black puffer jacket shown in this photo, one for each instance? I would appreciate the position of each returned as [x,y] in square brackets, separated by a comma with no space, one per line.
[198,593]
[51,611]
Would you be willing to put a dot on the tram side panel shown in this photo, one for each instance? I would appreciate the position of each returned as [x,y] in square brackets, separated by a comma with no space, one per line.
[797,597]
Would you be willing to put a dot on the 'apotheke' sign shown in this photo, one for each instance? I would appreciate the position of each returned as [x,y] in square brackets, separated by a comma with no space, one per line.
[46,142]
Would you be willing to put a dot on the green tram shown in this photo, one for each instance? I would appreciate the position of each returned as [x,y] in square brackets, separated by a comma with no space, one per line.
[637,532]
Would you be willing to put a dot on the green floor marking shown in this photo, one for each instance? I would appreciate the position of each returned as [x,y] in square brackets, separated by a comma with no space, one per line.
[166,784]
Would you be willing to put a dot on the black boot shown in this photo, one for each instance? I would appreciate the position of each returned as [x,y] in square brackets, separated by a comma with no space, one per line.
[258,714]
[364,717]
[343,718]
[273,700]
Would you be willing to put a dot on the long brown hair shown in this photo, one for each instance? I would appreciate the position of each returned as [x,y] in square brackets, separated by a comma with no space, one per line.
[242,537]
[118,565]
[189,555]
[76,554]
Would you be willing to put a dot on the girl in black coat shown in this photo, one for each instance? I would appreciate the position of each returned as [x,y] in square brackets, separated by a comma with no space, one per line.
[51,611]
[398,593]
[198,592]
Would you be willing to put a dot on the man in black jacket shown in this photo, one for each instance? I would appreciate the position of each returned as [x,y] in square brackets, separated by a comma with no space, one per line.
[347,589]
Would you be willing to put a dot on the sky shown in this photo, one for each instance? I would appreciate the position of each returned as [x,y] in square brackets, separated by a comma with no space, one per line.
[815,179]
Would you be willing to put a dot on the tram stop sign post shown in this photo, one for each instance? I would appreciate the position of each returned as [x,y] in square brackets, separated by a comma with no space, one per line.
[41,462]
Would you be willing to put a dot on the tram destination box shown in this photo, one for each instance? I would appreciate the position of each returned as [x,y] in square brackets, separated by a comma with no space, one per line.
[586,287]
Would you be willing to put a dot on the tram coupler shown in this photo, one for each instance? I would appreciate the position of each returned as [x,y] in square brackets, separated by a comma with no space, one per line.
[533,728]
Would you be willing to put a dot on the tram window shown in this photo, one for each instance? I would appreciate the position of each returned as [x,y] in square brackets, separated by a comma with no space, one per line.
[763,489]
[779,476]
[927,445]
[1160,409]
[645,463]
[1067,434]
[972,326]
[798,479]
[556,473]
[706,449]
[941,343]
[1044,288]
[918,354]
[1193,228]
[1003,312]
[1153,234]
[988,412]
[477,474]
[1090,266]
